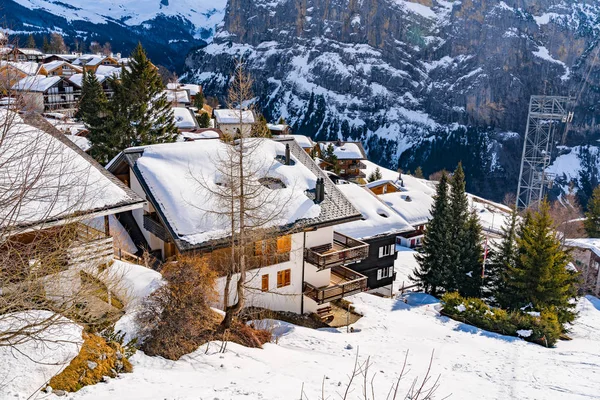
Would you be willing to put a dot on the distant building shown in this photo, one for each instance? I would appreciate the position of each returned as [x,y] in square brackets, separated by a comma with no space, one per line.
[586,256]
[279,129]
[234,122]
[47,94]
[350,157]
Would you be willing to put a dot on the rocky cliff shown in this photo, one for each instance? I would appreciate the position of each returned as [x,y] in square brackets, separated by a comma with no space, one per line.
[423,82]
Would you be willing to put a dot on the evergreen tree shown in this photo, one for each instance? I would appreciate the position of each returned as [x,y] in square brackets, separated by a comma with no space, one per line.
[199,101]
[92,103]
[539,275]
[31,42]
[330,157]
[260,128]
[433,257]
[419,173]
[375,175]
[592,222]
[501,259]
[469,270]
[281,121]
[138,113]
[46,45]
[458,217]
[203,120]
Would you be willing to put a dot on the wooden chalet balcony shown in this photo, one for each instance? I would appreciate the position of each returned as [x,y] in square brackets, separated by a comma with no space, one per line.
[357,165]
[152,224]
[344,250]
[344,282]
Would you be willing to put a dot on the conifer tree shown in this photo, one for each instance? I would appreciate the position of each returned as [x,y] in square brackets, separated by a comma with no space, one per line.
[592,222]
[31,42]
[433,257]
[203,120]
[457,225]
[92,103]
[260,128]
[469,269]
[375,175]
[419,173]
[539,275]
[138,113]
[199,101]
[501,259]
[330,157]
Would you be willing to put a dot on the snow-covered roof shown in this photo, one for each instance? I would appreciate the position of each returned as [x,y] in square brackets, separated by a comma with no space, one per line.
[82,142]
[184,118]
[27,67]
[304,141]
[108,70]
[204,134]
[77,79]
[231,116]
[413,206]
[177,96]
[36,83]
[347,150]
[277,127]
[67,182]
[177,178]
[193,89]
[51,66]
[90,60]
[592,244]
[31,52]
[378,218]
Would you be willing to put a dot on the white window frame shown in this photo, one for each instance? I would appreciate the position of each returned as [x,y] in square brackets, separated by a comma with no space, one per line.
[386,272]
[387,250]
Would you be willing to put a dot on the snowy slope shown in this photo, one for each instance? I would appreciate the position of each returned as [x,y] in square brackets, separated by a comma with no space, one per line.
[201,13]
[472,364]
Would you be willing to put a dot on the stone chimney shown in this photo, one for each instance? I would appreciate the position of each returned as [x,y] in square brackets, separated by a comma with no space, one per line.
[320,190]
[287,154]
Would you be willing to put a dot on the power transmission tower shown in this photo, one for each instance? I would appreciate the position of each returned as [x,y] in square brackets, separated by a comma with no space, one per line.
[545,113]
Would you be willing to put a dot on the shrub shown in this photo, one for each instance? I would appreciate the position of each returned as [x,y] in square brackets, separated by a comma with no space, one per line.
[545,328]
[96,359]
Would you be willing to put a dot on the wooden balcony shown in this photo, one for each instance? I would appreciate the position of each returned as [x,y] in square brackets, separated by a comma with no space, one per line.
[90,246]
[344,282]
[152,224]
[344,250]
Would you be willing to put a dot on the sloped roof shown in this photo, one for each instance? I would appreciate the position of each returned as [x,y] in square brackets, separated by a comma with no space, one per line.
[232,116]
[169,174]
[184,118]
[36,83]
[346,150]
[27,67]
[592,244]
[177,96]
[304,141]
[54,180]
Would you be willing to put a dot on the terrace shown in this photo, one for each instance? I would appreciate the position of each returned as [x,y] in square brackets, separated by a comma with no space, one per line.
[342,251]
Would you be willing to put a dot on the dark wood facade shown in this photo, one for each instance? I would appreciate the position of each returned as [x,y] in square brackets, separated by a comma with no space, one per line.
[378,270]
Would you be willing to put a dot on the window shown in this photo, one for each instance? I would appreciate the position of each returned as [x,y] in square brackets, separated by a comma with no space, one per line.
[284,244]
[265,283]
[383,273]
[387,250]
[284,278]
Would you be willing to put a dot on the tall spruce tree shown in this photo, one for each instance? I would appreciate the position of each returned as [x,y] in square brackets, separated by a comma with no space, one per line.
[500,260]
[469,279]
[457,225]
[31,42]
[539,275]
[93,102]
[433,257]
[138,113]
[592,222]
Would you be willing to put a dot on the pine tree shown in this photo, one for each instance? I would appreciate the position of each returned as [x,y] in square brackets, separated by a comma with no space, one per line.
[419,173]
[539,276]
[92,103]
[138,113]
[260,128]
[281,121]
[330,158]
[375,175]
[469,270]
[199,101]
[501,259]
[203,120]
[433,258]
[31,42]
[592,222]
[46,45]
[458,217]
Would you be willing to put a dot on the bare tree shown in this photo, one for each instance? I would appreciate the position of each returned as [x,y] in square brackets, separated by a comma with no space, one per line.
[566,213]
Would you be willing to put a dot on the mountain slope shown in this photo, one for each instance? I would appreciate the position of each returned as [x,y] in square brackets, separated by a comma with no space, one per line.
[168,28]
[424,83]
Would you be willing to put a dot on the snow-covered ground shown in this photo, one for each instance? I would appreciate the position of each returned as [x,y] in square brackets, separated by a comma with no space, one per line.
[472,364]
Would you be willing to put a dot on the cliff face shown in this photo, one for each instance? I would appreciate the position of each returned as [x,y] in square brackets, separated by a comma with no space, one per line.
[426,82]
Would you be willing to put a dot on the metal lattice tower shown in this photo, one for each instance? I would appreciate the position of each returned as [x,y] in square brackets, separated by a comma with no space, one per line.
[545,113]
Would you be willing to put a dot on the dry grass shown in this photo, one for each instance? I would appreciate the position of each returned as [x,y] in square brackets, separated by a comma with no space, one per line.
[95,360]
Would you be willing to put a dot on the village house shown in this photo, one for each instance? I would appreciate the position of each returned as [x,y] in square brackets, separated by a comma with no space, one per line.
[234,122]
[191,89]
[178,97]
[17,54]
[279,129]
[13,72]
[349,159]
[62,188]
[379,227]
[185,120]
[586,257]
[303,141]
[300,266]
[41,93]
[92,62]
[59,68]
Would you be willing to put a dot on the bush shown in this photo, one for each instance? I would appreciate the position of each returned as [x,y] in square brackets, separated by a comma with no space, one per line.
[545,328]
[96,359]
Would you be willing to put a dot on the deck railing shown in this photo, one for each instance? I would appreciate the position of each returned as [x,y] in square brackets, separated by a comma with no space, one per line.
[350,250]
[354,283]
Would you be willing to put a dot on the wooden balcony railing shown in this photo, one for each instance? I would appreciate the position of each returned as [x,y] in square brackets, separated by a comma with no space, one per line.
[153,225]
[352,283]
[344,250]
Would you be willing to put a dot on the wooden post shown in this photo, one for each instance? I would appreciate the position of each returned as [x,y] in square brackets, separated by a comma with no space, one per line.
[106,226]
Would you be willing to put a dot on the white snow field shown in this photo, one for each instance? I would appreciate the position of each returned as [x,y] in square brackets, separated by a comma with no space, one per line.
[472,364]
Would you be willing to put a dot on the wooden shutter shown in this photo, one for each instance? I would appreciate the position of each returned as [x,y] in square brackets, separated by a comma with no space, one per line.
[380,252]
[280,279]
[379,272]
[284,244]
[265,283]
[288,277]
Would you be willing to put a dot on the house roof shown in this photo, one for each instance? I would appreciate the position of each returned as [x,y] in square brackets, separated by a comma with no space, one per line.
[184,118]
[231,116]
[108,70]
[26,67]
[378,219]
[591,244]
[304,141]
[412,205]
[52,65]
[36,83]
[346,150]
[67,185]
[31,52]
[177,96]
[277,127]
[170,176]
[202,134]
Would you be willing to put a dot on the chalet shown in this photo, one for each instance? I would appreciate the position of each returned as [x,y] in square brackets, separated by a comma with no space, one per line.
[178,97]
[46,94]
[191,89]
[586,256]
[233,122]
[60,57]
[185,120]
[13,72]
[93,62]
[62,187]
[59,68]
[300,266]
[201,134]
[23,55]
[279,129]
[379,227]
[350,157]
[77,80]
[303,141]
